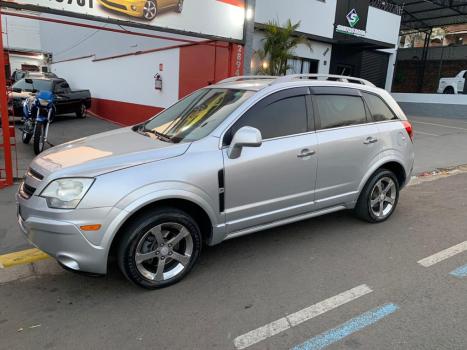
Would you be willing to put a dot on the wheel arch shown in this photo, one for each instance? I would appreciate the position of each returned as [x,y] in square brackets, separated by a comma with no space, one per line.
[389,164]
[191,207]
[450,87]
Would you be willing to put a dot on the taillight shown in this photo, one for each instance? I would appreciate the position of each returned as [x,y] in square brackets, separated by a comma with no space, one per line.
[408,128]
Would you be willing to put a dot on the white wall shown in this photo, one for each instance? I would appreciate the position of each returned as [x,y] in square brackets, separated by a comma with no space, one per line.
[65,42]
[21,33]
[382,26]
[430,98]
[17,60]
[317,17]
[128,79]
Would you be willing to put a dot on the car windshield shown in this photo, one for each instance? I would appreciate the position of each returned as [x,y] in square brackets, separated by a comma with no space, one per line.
[195,116]
[37,84]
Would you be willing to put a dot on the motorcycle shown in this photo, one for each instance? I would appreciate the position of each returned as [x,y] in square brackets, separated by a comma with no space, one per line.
[38,113]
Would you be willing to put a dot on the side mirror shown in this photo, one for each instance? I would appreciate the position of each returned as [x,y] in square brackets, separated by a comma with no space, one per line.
[18,90]
[28,80]
[244,137]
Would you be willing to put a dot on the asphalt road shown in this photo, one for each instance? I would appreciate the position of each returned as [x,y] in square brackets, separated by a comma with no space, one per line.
[439,142]
[251,281]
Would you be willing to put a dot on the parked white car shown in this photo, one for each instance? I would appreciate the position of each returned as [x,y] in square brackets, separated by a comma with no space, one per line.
[454,85]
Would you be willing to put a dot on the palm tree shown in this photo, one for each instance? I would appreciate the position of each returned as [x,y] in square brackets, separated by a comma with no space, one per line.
[278,45]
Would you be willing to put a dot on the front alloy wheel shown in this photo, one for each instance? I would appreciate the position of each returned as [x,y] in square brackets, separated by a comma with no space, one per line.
[164,252]
[160,248]
[150,10]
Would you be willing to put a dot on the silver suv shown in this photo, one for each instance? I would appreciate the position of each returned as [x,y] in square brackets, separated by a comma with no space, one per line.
[244,155]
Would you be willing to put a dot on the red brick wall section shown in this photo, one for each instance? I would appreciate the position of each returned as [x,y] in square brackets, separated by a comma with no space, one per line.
[405,77]
[122,113]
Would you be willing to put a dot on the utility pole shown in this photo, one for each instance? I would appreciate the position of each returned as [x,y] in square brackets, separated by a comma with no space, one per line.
[250,6]
[8,181]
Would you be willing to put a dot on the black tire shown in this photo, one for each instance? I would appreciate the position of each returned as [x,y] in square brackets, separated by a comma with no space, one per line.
[150,10]
[81,112]
[179,7]
[26,137]
[449,90]
[364,209]
[39,143]
[137,234]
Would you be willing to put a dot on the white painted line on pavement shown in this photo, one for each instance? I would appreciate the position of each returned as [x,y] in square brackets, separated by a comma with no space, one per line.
[424,133]
[443,255]
[444,126]
[292,320]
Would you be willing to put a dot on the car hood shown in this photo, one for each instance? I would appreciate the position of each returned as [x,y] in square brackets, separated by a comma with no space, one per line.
[102,153]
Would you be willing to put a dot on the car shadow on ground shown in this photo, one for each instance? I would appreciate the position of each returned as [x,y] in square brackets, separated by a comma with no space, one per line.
[238,256]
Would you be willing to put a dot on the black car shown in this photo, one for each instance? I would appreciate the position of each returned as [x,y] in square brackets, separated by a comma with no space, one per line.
[66,100]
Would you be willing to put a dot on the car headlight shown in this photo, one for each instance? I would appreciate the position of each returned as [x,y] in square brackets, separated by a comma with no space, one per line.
[43,103]
[66,193]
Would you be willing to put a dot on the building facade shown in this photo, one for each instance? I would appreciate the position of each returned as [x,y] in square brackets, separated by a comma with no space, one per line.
[132,77]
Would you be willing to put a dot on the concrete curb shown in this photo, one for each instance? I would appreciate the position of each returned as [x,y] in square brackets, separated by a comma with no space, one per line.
[35,269]
[438,174]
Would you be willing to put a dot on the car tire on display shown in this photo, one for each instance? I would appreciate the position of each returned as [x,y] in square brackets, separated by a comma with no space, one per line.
[179,8]
[379,197]
[150,10]
[81,112]
[159,248]
[39,133]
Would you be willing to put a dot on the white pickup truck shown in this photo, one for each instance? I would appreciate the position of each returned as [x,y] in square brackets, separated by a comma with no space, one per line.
[454,85]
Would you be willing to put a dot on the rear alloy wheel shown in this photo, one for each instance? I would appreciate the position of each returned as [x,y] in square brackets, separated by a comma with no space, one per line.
[150,10]
[160,248]
[379,197]
[179,8]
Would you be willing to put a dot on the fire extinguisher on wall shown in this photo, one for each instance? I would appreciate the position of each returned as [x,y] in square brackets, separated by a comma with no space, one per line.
[158,82]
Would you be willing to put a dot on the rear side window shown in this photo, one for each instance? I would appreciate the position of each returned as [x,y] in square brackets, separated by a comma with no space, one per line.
[378,109]
[287,116]
[340,110]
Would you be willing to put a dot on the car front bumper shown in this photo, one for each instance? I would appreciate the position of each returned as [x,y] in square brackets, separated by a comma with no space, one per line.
[130,7]
[58,233]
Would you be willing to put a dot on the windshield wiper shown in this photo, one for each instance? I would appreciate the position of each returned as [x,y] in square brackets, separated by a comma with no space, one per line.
[159,135]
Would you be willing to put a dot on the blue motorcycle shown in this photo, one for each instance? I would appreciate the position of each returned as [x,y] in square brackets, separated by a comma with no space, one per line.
[38,113]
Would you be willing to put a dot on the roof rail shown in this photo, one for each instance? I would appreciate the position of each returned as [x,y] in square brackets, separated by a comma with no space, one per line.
[332,77]
[246,77]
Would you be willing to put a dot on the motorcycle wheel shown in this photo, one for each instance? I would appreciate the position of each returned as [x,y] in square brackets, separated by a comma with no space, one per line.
[26,137]
[39,142]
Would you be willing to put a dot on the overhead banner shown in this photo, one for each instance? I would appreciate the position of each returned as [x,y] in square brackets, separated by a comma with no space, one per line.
[216,18]
[351,18]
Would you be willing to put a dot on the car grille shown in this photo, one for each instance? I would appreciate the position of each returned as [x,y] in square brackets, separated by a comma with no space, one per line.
[118,6]
[26,191]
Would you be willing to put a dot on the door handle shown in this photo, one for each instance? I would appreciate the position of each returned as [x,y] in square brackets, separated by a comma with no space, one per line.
[370,140]
[306,153]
